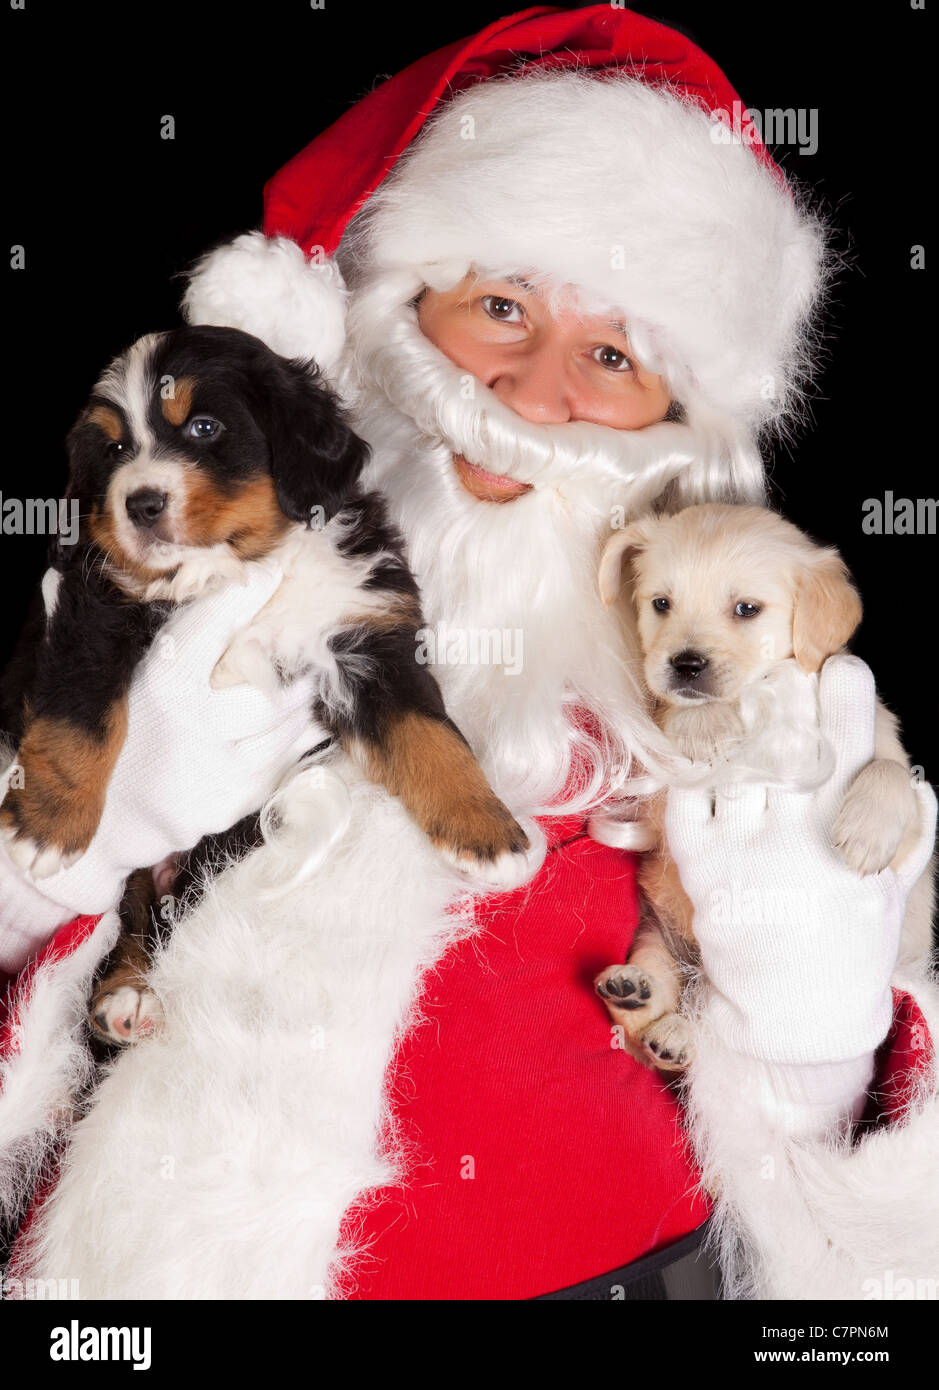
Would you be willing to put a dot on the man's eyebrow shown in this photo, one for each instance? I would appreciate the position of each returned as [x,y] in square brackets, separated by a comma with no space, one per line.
[523,284]
[526,285]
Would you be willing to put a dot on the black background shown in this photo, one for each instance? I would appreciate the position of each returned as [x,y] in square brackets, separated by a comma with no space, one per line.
[109,213]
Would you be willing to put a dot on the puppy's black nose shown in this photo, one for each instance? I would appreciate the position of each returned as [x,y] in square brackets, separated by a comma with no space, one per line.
[144,507]
[689,664]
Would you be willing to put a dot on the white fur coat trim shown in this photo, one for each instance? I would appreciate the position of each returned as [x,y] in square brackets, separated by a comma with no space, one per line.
[218,1159]
[816,1219]
[48,1062]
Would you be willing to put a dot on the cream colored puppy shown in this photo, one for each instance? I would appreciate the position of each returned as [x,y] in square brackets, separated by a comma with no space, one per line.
[722,595]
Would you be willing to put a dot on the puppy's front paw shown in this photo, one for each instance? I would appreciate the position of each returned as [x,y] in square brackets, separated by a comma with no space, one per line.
[248,661]
[704,733]
[876,812]
[126,1014]
[502,859]
[50,815]
[669,1042]
[39,861]
[627,987]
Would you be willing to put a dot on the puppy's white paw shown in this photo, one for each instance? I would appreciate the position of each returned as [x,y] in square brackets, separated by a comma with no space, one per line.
[508,870]
[248,661]
[876,812]
[36,860]
[126,1014]
[704,733]
[21,849]
[669,1042]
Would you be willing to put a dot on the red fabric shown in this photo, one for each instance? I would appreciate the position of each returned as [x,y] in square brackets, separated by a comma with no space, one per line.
[902,1060]
[576,1150]
[316,193]
[65,941]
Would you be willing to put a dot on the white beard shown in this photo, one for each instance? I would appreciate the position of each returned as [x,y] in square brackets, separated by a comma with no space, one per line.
[517,581]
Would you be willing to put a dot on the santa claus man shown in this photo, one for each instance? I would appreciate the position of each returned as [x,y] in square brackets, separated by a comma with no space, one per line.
[554,294]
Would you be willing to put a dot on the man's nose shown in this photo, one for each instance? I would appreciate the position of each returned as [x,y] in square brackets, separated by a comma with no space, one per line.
[533,384]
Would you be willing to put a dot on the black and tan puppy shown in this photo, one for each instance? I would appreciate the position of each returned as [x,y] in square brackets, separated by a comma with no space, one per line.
[200,452]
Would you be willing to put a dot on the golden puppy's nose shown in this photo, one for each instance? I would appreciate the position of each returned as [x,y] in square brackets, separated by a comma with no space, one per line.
[689,664]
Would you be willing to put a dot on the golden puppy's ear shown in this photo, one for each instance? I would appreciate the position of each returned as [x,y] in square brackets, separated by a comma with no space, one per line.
[827,610]
[610,577]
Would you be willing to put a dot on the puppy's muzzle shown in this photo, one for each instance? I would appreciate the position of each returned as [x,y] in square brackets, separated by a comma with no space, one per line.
[689,673]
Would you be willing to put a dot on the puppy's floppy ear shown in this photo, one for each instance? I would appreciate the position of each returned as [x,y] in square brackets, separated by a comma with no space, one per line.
[610,577]
[316,459]
[88,470]
[827,610]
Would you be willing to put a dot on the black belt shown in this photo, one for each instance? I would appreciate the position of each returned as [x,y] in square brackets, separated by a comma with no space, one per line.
[684,1270]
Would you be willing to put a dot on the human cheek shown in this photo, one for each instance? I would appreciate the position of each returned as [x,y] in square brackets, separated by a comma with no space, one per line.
[627,409]
[619,400]
[451,331]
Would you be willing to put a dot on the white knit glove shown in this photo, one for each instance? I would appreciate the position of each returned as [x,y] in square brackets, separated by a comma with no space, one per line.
[194,762]
[798,949]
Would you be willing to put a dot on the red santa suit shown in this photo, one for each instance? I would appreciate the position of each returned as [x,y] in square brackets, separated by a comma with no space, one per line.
[387,1089]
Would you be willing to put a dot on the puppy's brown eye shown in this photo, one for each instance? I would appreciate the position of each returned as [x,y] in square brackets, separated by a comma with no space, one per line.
[661,605]
[747,610]
[115,449]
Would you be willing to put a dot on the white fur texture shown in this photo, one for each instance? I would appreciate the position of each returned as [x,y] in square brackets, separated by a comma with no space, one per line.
[40,1080]
[321,593]
[626,190]
[268,287]
[219,1157]
[815,1219]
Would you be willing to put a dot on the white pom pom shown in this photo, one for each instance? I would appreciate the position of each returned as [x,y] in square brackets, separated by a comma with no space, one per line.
[268,287]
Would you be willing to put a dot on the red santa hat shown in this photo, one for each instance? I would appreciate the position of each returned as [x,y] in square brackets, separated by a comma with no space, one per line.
[595,147]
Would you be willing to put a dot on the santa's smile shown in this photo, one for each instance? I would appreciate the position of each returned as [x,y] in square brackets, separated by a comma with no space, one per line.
[486,486]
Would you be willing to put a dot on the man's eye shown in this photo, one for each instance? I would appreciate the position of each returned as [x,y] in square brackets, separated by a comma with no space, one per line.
[613,359]
[661,605]
[505,310]
[204,427]
[747,610]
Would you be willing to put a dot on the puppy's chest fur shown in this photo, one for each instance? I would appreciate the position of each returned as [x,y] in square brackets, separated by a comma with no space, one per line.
[329,588]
